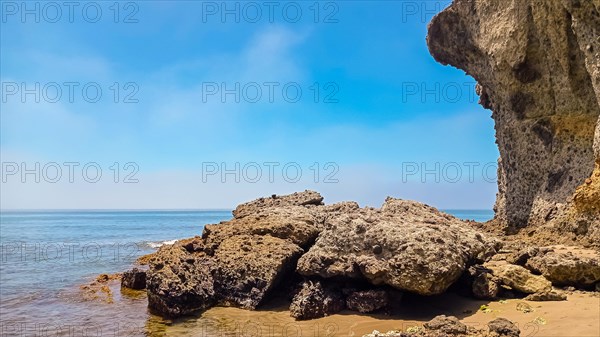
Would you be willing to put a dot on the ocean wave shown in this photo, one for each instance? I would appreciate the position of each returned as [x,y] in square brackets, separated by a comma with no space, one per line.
[158,244]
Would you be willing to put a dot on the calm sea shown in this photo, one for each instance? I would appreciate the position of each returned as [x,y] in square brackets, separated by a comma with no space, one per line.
[46,255]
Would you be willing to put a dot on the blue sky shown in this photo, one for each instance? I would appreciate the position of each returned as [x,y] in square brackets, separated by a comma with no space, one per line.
[387,120]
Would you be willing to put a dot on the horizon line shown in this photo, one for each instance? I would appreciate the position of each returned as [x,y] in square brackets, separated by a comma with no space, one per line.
[171,209]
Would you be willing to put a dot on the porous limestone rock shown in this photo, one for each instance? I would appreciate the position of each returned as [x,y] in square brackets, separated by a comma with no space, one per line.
[537,64]
[248,267]
[565,266]
[406,244]
[179,280]
[519,278]
[306,198]
[315,301]
[366,301]
[184,279]
[485,286]
[294,223]
[446,324]
[134,279]
[503,328]
[546,296]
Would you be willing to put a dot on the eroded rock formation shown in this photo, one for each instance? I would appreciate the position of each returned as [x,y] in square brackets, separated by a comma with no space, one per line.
[406,245]
[537,64]
[327,258]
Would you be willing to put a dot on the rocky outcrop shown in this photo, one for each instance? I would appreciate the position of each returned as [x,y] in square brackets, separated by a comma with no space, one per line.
[407,245]
[180,279]
[537,64]
[184,279]
[248,267]
[519,278]
[272,242]
[315,301]
[568,266]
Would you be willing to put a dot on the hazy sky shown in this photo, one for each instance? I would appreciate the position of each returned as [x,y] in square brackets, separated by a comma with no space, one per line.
[208,104]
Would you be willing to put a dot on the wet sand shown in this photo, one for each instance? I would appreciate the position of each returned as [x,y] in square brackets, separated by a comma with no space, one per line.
[579,316]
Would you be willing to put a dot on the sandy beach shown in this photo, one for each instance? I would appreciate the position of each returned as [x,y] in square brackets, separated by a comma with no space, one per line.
[577,317]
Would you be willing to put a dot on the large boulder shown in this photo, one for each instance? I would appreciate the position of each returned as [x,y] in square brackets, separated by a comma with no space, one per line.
[537,64]
[407,245]
[179,279]
[248,267]
[570,266]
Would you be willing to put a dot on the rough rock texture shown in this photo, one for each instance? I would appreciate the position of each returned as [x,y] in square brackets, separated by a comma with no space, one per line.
[184,279]
[305,198]
[522,255]
[504,327]
[179,280]
[248,267]
[294,223]
[407,245]
[519,278]
[315,301]
[485,287]
[446,324]
[547,296]
[443,326]
[99,289]
[567,266]
[134,279]
[367,301]
[537,64]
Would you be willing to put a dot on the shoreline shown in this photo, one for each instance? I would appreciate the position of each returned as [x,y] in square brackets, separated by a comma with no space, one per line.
[575,317]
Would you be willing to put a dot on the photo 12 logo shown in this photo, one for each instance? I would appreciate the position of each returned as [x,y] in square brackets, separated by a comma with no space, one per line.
[422,11]
[439,92]
[57,328]
[449,172]
[69,172]
[69,11]
[67,252]
[269,92]
[69,92]
[253,172]
[270,11]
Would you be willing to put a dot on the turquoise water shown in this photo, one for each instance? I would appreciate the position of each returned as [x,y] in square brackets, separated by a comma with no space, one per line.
[479,215]
[46,255]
